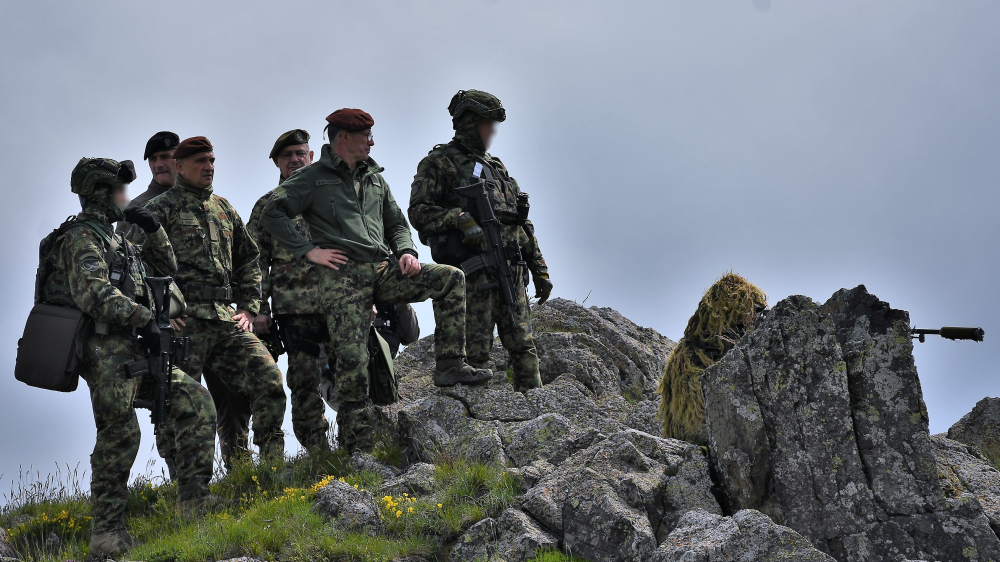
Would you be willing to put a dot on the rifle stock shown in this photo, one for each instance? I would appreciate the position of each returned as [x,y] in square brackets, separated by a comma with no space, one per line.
[162,353]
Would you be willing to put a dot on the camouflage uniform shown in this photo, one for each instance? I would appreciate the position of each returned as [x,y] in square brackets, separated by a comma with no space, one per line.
[154,190]
[217,266]
[80,278]
[292,285]
[355,212]
[434,211]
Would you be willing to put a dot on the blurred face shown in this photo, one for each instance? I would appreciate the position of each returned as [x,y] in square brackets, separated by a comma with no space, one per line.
[120,192]
[292,158]
[354,146]
[161,164]
[197,169]
[487,131]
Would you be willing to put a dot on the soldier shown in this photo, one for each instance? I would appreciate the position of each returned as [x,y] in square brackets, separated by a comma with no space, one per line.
[217,267]
[444,222]
[76,272]
[159,154]
[291,284]
[355,226]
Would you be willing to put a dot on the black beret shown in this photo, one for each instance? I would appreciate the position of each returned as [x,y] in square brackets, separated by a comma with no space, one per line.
[350,119]
[193,145]
[293,137]
[164,140]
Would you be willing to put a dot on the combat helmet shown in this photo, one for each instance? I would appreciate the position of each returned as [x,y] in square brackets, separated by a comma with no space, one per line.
[91,173]
[481,103]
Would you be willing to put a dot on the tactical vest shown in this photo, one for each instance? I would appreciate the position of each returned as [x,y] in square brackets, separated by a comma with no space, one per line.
[510,205]
[126,269]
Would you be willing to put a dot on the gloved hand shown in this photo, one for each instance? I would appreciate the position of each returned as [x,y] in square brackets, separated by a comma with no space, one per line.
[151,336]
[472,233]
[543,287]
[142,218]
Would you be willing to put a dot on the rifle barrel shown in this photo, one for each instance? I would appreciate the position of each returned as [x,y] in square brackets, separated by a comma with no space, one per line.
[950,332]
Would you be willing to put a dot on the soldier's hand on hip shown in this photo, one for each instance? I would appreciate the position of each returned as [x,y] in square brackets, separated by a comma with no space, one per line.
[262,324]
[409,265]
[244,320]
[177,323]
[329,258]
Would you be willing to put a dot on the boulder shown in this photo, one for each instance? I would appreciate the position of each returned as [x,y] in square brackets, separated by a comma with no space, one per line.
[964,470]
[816,419]
[418,480]
[6,549]
[512,537]
[616,498]
[367,462]
[980,428]
[440,424]
[348,507]
[747,536]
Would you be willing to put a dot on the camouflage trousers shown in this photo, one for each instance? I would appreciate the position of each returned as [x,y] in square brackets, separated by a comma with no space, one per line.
[243,379]
[305,367]
[486,309]
[191,417]
[347,297]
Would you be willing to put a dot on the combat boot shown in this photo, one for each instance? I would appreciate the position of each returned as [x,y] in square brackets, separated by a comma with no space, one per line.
[109,544]
[196,507]
[449,372]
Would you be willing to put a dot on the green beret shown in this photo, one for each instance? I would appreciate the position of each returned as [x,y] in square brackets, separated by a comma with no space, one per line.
[295,136]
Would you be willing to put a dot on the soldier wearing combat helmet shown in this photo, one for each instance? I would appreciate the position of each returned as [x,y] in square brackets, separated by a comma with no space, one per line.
[290,288]
[446,223]
[85,265]
[355,227]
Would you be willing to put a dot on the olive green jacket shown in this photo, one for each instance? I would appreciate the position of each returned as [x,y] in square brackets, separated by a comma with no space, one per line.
[367,225]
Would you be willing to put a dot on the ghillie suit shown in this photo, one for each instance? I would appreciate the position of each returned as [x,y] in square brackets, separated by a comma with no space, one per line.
[725,313]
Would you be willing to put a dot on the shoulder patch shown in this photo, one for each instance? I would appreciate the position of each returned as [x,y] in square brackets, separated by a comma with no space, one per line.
[418,182]
[91,263]
[326,182]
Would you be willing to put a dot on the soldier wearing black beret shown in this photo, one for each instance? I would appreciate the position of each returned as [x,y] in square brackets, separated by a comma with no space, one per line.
[159,154]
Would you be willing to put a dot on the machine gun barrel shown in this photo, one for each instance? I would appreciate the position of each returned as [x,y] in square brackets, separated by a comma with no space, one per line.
[949,332]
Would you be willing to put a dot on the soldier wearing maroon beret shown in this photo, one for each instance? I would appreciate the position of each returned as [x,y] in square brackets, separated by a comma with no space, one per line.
[217,268]
[357,234]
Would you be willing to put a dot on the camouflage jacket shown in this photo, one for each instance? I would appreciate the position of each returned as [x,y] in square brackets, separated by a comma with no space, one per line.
[140,200]
[434,205]
[363,219]
[78,271]
[291,283]
[213,249]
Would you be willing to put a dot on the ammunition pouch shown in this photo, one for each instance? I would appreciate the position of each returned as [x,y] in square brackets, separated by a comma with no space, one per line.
[447,248]
[383,388]
[199,292]
[50,351]
[522,208]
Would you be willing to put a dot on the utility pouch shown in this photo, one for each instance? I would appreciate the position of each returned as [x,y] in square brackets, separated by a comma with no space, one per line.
[50,351]
[447,248]
[383,388]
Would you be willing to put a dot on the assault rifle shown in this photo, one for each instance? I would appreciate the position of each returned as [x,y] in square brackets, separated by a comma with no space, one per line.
[949,332]
[163,353]
[498,254]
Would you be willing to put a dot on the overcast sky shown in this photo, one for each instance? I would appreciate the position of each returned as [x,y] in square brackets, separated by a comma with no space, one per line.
[806,145]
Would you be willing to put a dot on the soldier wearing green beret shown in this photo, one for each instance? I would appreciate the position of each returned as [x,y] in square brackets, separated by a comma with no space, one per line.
[90,268]
[445,222]
[355,228]
[290,288]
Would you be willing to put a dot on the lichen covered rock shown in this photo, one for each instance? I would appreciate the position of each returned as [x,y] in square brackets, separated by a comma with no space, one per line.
[512,537]
[347,507]
[980,428]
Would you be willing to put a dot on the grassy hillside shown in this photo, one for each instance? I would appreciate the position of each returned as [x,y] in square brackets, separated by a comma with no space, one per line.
[49,520]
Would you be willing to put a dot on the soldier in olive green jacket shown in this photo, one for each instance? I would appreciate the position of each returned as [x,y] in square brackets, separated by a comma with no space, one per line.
[356,225]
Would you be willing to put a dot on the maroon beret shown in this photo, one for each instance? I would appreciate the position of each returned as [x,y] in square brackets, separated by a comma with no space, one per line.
[350,119]
[193,145]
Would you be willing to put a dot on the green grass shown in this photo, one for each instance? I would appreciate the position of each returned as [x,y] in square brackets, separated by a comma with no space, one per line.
[272,515]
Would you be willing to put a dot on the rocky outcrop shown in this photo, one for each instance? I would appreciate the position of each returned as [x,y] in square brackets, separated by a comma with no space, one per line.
[512,537]
[816,418]
[980,428]
[6,549]
[965,471]
[348,507]
[747,536]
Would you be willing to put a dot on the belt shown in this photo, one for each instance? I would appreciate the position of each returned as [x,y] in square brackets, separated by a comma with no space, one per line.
[199,292]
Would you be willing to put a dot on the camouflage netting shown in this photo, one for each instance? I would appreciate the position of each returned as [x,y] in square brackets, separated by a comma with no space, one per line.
[724,313]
